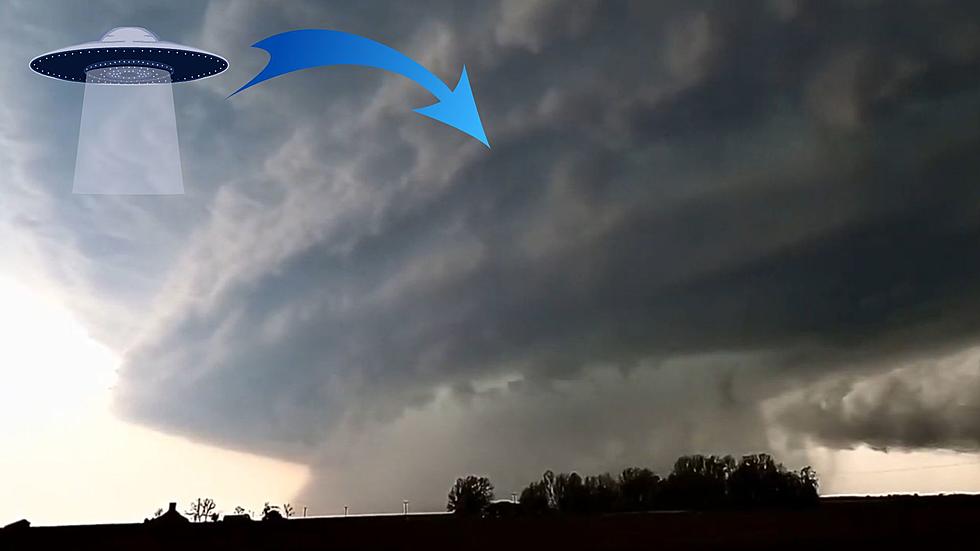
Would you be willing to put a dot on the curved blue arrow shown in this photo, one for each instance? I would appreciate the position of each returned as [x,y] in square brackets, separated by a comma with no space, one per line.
[303,49]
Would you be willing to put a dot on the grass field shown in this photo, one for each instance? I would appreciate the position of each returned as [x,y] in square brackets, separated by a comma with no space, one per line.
[848,522]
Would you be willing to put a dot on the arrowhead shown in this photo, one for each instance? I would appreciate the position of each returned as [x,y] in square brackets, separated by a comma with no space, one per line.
[458,110]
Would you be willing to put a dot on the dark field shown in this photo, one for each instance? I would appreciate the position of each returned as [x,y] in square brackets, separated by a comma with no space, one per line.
[900,522]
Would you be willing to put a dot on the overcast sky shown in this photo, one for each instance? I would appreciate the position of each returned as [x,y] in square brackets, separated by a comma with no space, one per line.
[704,227]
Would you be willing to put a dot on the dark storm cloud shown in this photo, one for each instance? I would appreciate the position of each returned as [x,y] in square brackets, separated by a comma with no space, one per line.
[713,199]
[926,405]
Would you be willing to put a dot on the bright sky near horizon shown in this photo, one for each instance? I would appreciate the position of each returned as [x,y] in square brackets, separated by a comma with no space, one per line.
[66,459]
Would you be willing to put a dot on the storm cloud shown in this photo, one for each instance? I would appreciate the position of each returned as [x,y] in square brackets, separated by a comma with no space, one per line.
[928,404]
[690,208]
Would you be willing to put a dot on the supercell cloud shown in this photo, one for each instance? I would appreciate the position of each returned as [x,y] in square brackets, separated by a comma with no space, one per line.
[692,209]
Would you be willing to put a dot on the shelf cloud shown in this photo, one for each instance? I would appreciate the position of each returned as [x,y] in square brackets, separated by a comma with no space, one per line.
[691,209]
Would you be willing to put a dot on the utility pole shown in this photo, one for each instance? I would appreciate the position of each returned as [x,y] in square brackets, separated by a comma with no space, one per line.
[345,511]
[304,511]
[405,506]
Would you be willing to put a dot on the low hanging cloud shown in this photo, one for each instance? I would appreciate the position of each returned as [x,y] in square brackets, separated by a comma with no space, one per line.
[926,405]
[690,208]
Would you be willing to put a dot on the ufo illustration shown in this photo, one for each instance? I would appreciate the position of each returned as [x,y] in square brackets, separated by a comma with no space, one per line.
[128,135]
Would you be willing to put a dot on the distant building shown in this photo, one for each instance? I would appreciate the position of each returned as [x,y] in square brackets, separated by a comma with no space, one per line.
[19,525]
[171,517]
[502,508]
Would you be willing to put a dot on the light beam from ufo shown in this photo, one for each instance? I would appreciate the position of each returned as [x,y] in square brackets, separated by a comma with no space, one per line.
[127,141]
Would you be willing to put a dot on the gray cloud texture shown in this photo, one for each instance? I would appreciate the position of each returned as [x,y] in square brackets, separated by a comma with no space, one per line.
[928,404]
[690,208]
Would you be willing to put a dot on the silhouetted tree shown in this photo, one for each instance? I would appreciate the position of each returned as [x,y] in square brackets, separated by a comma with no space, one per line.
[201,509]
[800,487]
[756,481]
[535,499]
[271,512]
[601,493]
[809,485]
[470,495]
[287,510]
[698,482]
[638,489]
[570,493]
[759,481]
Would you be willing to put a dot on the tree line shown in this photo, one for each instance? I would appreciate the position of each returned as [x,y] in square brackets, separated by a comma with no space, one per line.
[696,482]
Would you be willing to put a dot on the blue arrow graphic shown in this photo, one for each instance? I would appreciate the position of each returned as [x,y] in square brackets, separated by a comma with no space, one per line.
[304,49]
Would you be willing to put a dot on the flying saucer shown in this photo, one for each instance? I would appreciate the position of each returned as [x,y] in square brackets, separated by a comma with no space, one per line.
[129,55]
[127,139]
